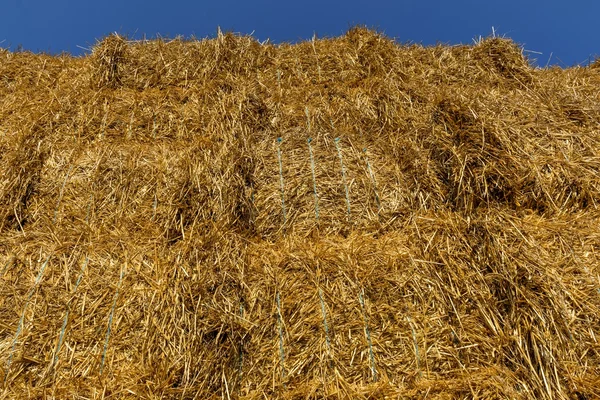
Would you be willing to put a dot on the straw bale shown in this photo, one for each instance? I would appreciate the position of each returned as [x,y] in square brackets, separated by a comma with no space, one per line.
[160,237]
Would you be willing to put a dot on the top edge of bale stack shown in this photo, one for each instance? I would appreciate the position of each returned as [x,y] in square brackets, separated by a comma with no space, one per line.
[117,62]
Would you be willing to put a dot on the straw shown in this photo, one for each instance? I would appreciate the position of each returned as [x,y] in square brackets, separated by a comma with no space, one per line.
[372,180]
[280,328]
[484,168]
[325,325]
[282,188]
[6,265]
[368,336]
[154,207]
[60,194]
[240,354]
[416,346]
[110,320]
[339,151]
[154,126]
[314,179]
[13,345]
[89,206]
[67,311]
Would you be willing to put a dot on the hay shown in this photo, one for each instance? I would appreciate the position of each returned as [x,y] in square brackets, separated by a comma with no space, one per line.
[440,235]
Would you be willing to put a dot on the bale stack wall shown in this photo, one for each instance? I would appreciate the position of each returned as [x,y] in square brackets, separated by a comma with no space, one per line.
[165,232]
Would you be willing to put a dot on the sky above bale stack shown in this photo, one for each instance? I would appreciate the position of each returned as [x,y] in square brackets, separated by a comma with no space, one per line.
[554,32]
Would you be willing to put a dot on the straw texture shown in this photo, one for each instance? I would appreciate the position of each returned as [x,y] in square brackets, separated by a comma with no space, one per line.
[455,251]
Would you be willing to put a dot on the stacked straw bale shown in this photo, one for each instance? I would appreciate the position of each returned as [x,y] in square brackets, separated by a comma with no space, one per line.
[338,218]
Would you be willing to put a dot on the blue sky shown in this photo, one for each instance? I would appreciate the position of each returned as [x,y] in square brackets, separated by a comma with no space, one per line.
[569,30]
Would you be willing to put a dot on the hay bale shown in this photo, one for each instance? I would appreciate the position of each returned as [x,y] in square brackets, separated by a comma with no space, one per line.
[445,245]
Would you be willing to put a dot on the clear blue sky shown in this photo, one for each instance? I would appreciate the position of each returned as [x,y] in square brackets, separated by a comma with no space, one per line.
[570,30]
